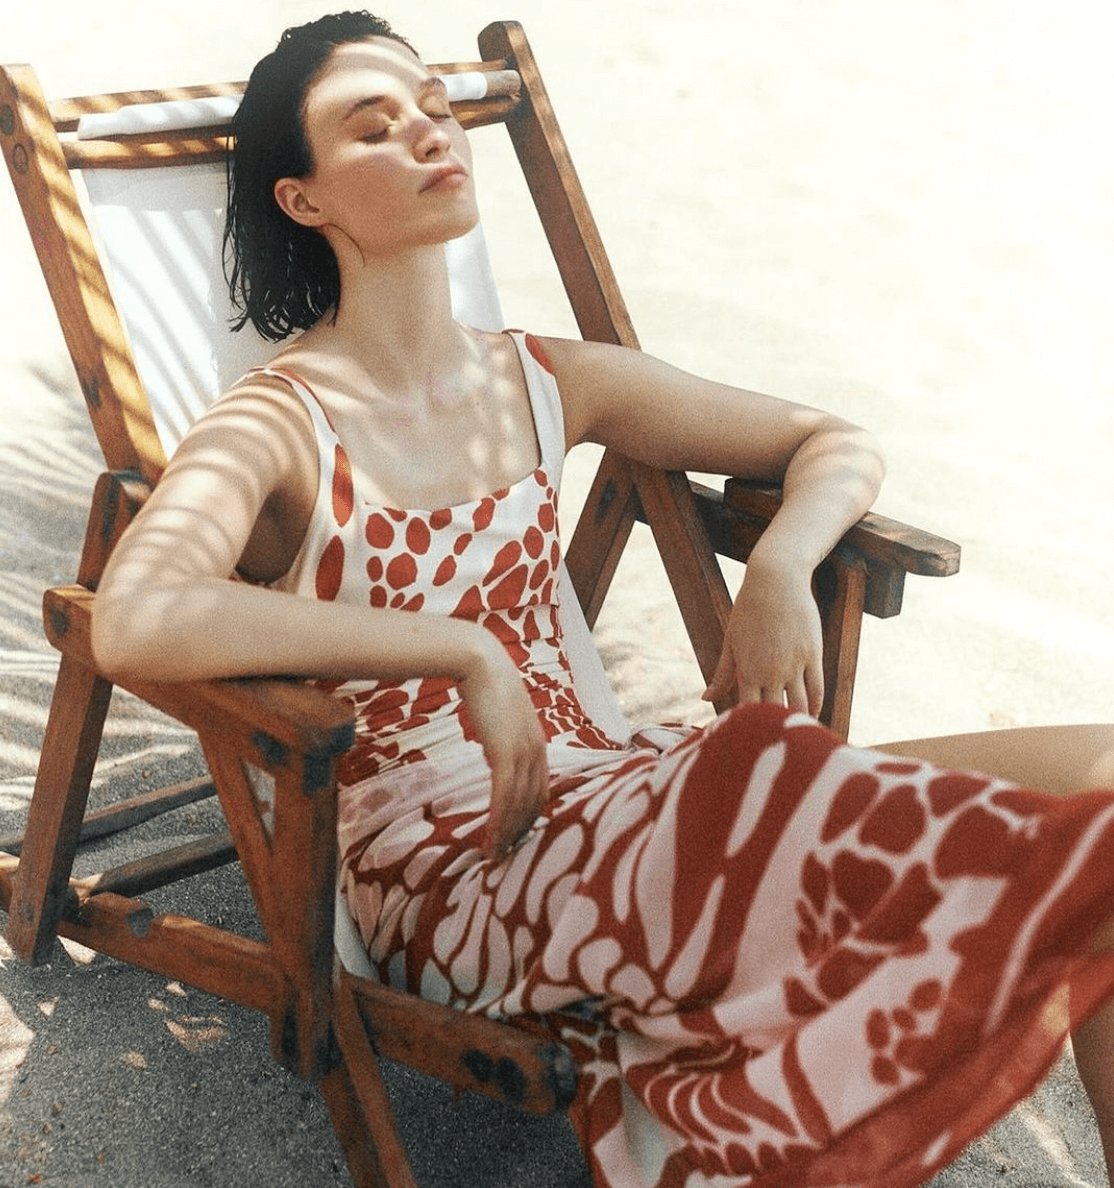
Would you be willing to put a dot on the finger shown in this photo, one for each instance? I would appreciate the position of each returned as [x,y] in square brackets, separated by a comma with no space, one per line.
[516,805]
[720,684]
[540,797]
[749,693]
[527,800]
[814,687]
[796,695]
[496,827]
[541,779]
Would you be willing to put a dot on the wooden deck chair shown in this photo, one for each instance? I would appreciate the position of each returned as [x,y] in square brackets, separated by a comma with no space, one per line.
[151,165]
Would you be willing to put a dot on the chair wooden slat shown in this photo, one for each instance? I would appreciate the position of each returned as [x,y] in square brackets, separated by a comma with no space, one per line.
[518,1067]
[300,922]
[840,588]
[71,741]
[877,537]
[199,146]
[136,153]
[89,320]
[117,497]
[180,947]
[159,870]
[125,814]
[65,113]
[369,1099]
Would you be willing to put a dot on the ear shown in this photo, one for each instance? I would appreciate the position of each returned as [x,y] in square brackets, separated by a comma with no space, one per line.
[293,200]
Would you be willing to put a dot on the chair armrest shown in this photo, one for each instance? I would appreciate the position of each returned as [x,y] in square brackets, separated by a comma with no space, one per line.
[117,497]
[886,548]
[877,538]
[292,733]
[266,719]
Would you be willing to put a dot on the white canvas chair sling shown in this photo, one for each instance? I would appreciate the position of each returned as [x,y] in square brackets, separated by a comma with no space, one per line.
[160,234]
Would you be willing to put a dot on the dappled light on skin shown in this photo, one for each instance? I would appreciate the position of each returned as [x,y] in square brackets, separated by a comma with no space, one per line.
[490,410]
[502,398]
[375,54]
[399,437]
[202,543]
[376,122]
[844,473]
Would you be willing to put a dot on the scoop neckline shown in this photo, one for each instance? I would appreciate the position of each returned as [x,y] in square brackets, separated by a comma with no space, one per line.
[500,493]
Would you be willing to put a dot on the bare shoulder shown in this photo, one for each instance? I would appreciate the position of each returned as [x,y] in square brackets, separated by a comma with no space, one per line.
[260,422]
[261,409]
[241,484]
[575,357]
[597,381]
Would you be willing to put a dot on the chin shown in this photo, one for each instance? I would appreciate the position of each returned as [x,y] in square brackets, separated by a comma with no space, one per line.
[463,230]
[455,228]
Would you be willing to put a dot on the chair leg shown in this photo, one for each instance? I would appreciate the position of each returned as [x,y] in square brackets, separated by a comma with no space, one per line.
[41,883]
[358,1103]
[840,588]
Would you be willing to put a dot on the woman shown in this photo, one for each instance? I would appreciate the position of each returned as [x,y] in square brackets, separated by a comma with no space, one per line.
[778,960]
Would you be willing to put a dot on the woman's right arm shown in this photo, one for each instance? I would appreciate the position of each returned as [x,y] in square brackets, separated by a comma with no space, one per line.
[166,610]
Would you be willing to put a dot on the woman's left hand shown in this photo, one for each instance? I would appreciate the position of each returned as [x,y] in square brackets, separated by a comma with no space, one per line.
[772,649]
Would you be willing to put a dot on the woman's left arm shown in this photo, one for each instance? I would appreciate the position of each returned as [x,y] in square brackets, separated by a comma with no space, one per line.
[830,472]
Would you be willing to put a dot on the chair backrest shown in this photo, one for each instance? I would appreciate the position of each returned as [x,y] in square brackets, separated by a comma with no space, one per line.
[159,232]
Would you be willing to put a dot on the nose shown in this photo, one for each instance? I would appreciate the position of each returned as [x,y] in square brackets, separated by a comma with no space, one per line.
[430,139]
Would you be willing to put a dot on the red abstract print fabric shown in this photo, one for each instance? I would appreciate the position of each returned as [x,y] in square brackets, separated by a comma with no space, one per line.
[777,960]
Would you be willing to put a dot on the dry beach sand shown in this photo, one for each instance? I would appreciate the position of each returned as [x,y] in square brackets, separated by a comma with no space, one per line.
[899,211]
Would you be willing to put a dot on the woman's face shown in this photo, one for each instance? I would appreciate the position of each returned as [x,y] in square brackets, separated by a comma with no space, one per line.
[391,166]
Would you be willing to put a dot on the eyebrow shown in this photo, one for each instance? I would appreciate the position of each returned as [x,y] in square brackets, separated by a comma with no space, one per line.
[432,83]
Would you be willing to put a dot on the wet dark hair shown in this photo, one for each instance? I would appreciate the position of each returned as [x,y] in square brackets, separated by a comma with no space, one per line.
[281,275]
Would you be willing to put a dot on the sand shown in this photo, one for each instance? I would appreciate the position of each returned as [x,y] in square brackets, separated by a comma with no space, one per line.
[899,212]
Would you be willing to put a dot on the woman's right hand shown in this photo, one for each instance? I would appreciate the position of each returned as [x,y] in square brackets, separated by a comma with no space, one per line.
[507,727]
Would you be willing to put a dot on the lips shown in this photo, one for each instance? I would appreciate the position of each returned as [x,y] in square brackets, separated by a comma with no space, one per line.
[445,176]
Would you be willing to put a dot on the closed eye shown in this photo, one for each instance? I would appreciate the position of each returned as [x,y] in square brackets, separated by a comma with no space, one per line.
[436,99]
[439,111]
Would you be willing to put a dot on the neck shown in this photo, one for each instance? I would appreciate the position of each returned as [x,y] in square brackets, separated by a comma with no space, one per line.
[394,323]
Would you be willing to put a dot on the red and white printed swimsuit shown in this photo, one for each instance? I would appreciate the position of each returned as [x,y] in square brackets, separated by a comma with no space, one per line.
[493,561]
[778,960]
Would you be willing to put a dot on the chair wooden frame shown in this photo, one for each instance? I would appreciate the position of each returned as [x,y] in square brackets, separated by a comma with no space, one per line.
[327,1024]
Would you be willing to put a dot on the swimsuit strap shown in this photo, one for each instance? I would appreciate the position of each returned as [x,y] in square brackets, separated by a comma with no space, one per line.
[545,402]
[323,428]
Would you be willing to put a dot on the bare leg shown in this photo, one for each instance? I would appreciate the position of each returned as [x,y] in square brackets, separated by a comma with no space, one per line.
[1059,759]
[1093,1045]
